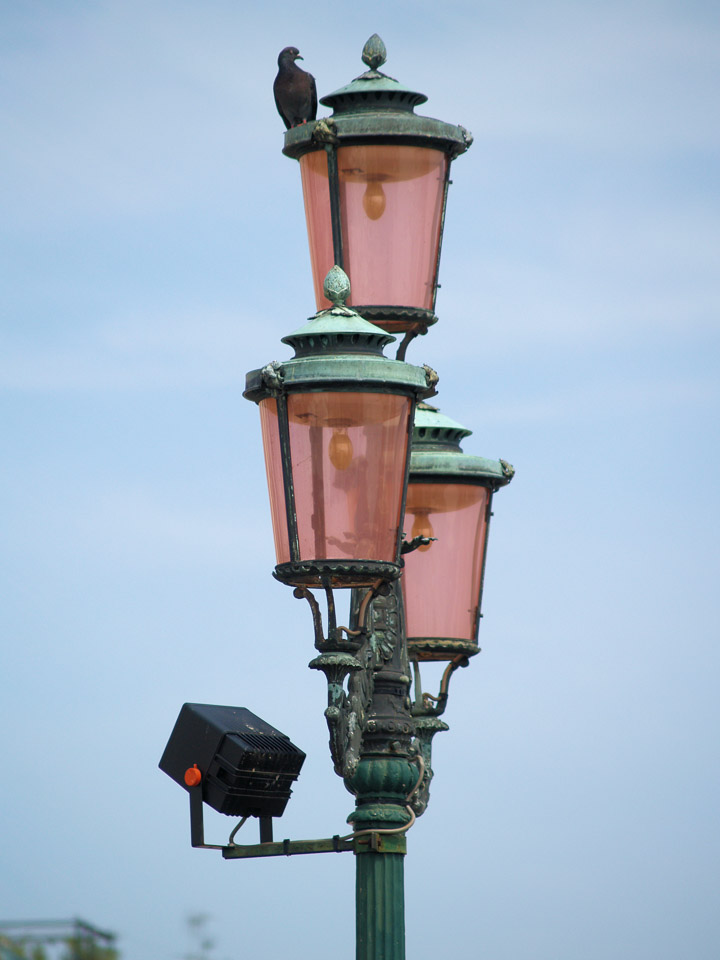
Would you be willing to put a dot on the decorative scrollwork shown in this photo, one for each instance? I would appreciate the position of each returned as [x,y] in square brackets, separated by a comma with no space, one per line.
[325,131]
[426,727]
[384,625]
[272,377]
[408,546]
[431,378]
[467,137]
[345,712]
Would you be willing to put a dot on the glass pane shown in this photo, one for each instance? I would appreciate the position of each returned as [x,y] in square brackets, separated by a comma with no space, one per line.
[348,458]
[314,173]
[391,207]
[273,468]
[441,582]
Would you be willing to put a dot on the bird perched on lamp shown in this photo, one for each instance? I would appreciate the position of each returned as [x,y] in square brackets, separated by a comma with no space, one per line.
[294,89]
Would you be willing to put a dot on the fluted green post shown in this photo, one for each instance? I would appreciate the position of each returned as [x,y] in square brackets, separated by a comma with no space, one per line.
[383,784]
[380,897]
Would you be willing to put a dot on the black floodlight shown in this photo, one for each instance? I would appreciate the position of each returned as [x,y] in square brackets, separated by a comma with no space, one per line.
[238,763]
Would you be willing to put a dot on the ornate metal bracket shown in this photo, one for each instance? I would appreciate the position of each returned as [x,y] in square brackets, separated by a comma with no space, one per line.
[360,707]
[334,641]
[408,546]
[426,711]
[369,712]
[426,728]
[427,705]
[345,654]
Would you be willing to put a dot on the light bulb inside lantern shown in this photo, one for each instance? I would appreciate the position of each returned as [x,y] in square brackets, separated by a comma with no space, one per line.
[422,528]
[374,200]
[340,449]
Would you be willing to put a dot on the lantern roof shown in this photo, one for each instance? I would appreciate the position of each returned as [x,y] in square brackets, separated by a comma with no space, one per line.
[433,429]
[375,108]
[437,455]
[338,350]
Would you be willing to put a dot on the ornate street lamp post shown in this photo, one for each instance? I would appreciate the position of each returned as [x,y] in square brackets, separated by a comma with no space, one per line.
[369,492]
[375,179]
[337,504]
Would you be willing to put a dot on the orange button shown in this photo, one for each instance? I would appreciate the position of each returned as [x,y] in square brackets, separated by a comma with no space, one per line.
[193,776]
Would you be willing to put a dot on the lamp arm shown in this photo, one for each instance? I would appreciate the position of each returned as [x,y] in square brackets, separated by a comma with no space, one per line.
[426,712]
[301,593]
[426,705]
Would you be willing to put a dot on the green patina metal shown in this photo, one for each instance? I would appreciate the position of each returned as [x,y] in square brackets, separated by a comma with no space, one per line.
[375,107]
[384,779]
[437,455]
[370,842]
[287,848]
[337,349]
[426,727]
[380,906]
[383,782]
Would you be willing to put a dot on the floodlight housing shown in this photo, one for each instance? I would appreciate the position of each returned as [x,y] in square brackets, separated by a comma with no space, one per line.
[244,765]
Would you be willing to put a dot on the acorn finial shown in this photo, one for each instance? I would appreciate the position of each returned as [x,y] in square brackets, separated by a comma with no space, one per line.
[337,286]
[374,52]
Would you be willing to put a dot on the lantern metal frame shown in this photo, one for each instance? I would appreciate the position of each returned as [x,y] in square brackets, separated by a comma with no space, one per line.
[376,109]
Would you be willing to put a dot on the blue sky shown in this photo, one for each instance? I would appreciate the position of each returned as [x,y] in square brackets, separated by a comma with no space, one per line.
[153,251]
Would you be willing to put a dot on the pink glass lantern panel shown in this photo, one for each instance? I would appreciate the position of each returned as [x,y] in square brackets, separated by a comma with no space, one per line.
[348,460]
[273,468]
[391,200]
[441,581]
[314,173]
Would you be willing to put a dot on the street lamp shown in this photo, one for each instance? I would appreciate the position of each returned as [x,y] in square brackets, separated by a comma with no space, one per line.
[369,488]
[336,422]
[375,180]
[448,502]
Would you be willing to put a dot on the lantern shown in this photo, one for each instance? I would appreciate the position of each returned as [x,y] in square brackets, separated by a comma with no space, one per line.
[336,422]
[449,498]
[375,179]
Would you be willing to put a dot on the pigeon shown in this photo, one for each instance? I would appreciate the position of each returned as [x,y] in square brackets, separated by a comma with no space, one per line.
[294,89]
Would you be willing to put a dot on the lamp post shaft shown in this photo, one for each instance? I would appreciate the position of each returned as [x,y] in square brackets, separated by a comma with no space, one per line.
[380,902]
[383,782]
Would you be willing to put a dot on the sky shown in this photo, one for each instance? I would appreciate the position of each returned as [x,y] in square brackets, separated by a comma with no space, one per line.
[154,251]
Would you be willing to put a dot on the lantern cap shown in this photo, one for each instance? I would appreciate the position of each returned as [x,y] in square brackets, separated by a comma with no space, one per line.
[338,349]
[437,455]
[432,430]
[339,329]
[375,108]
[373,89]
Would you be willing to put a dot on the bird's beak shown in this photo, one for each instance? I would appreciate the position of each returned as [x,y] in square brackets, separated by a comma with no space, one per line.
[298,57]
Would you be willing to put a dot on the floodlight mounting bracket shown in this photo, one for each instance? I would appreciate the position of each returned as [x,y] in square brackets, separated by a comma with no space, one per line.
[375,841]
